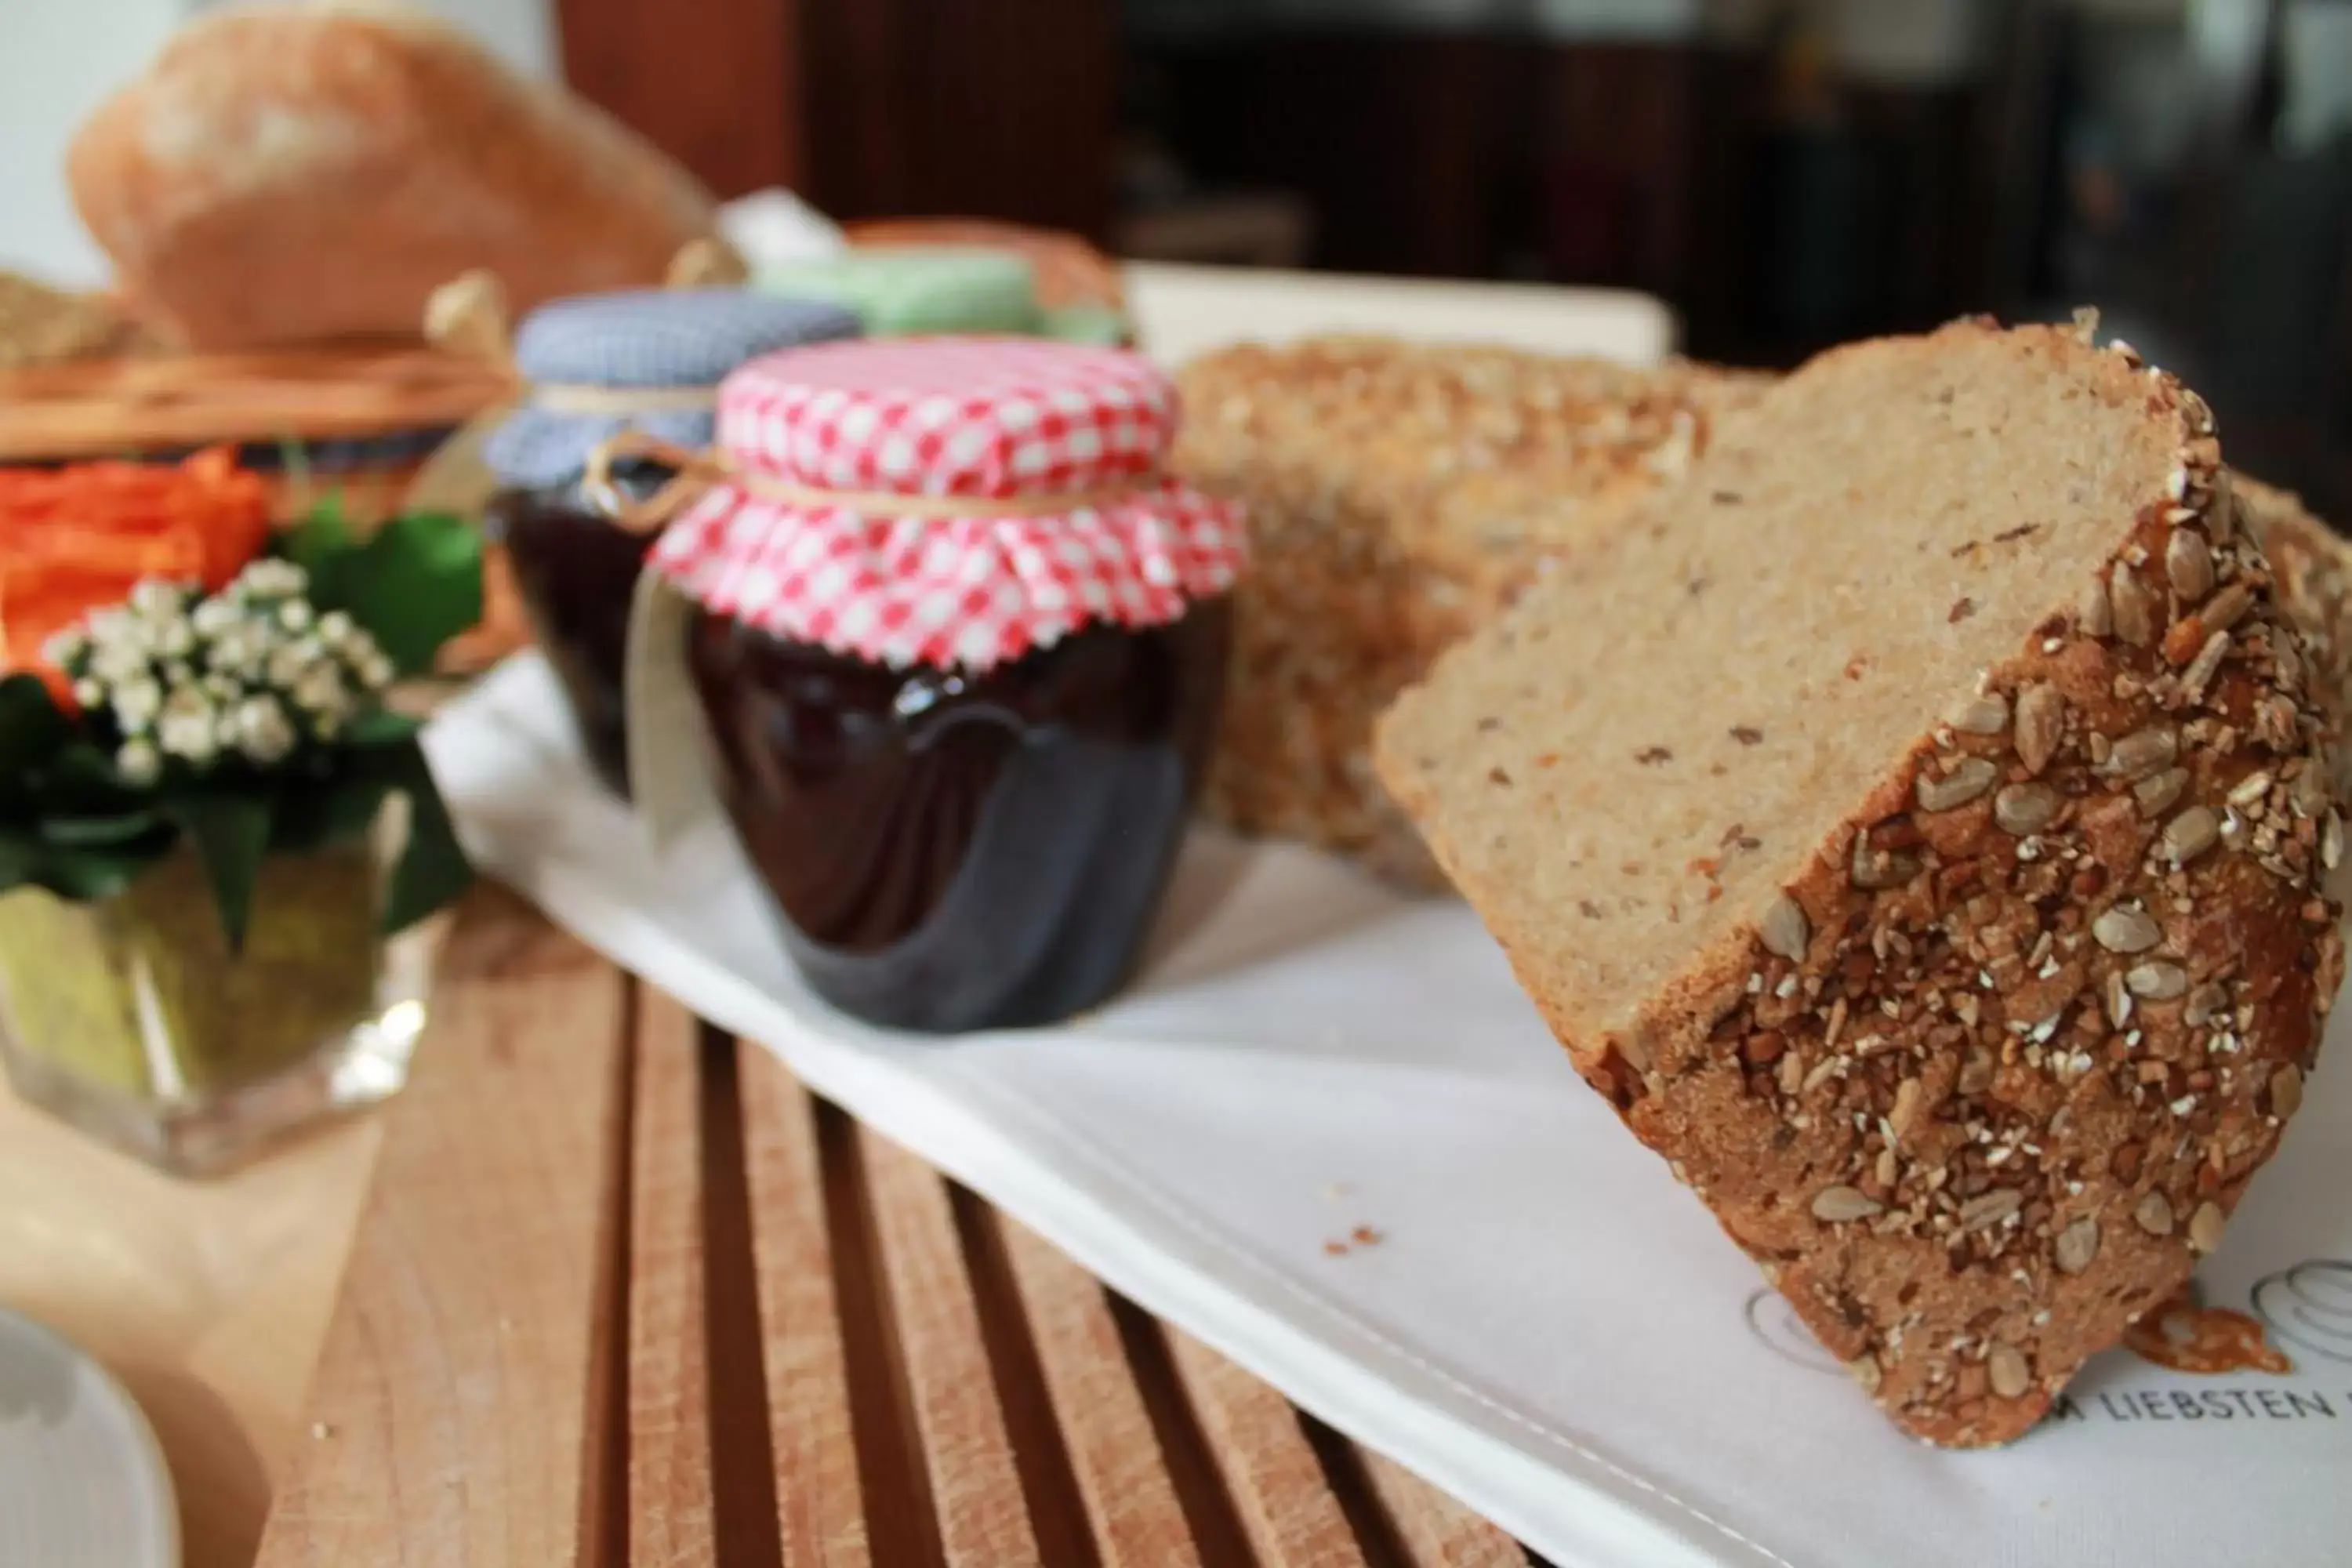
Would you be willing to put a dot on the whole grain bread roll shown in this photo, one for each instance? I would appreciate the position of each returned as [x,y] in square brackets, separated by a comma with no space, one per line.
[292,172]
[1398,495]
[1916,825]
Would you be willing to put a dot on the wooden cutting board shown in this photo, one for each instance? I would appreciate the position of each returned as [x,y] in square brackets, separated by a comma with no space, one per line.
[626,1294]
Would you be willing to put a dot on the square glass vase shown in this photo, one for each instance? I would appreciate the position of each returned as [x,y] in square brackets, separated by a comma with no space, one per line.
[131,1018]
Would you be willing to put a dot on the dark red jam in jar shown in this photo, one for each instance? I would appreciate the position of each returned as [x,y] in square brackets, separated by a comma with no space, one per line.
[959,646]
[645,360]
[954,852]
[577,576]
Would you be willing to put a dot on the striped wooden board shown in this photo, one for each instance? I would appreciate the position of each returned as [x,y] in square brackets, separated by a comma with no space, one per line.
[626,1295]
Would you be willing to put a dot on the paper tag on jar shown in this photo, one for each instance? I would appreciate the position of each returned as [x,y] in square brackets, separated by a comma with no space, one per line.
[669,768]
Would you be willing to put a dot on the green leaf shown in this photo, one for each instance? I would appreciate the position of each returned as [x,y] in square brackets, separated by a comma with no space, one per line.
[432,872]
[81,781]
[32,728]
[413,585]
[332,811]
[81,873]
[323,534]
[95,831]
[381,727]
[231,834]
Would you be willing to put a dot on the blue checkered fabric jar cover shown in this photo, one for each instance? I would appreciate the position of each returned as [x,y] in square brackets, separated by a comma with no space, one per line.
[655,338]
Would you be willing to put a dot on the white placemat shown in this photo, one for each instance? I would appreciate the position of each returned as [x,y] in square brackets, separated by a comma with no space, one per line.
[1547,1325]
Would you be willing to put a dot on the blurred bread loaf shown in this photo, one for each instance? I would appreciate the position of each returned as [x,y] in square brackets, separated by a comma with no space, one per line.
[293,173]
[1398,496]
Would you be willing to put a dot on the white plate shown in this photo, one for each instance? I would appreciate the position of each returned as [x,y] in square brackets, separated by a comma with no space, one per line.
[82,1484]
[1548,1326]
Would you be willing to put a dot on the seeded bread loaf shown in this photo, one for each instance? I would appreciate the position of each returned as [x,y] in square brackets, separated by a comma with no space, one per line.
[1915,826]
[1397,496]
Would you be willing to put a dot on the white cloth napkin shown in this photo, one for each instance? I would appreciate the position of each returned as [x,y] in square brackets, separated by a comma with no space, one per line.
[1545,1324]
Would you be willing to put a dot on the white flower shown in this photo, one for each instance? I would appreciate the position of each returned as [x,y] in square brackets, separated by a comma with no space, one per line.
[239,650]
[113,624]
[263,733]
[294,614]
[321,691]
[64,648]
[118,659]
[221,687]
[88,693]
[375,670]
[185,726]
[212,617]
[289,661]
[335,628]
[156,598]
[271,579]
[174,638]
[139,763]
[136,703]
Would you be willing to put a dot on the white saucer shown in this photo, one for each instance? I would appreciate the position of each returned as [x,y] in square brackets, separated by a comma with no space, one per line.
[82,1482]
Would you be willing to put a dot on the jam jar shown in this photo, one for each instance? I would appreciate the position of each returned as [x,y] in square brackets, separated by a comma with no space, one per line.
[959,646]
[647,360]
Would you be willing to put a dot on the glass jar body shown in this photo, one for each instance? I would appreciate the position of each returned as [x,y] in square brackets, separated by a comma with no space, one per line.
[954,851]
[576,573]
[133,1018]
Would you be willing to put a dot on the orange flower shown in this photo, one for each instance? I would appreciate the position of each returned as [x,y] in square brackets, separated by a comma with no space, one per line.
[77,538]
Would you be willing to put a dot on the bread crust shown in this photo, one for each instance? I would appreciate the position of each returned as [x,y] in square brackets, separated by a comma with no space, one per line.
[300,173]
[1990,1072]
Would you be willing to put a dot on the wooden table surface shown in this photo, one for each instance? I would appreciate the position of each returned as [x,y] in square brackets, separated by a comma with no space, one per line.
[209,1300]
[626,1294]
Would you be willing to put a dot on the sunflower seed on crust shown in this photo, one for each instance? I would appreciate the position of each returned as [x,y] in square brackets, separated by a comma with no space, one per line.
[2157,792]
[2154,1215]
[1971,778]
[2092,612]
[2205,1226]
[1843,1204]
[2008,1373]
[2226,607]
[2191,833]
[2205,666]
[2189,564]
[2142,752]
[2040,724]
[2023,808]
[1784,928]
[2131,607]
[2123,930]
[2078,1246]
[2286,1091]
[1985,715]
[1989,1209]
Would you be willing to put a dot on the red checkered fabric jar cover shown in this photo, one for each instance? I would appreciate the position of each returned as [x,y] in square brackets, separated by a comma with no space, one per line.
[1084,430]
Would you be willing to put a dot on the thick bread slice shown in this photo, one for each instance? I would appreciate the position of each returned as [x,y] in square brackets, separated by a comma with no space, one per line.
[1914,826]
[1400,494]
